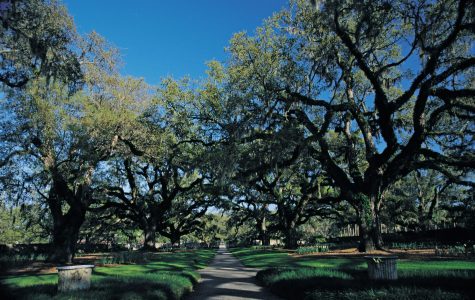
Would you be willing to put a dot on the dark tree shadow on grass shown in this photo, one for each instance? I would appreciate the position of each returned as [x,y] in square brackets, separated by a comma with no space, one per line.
[285,283]
[108,288]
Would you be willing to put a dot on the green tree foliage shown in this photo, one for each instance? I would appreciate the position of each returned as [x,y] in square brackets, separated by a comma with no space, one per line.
[58,138]
[297,193]
[36,38]
[160,184]
[185,216]
[22,225]
[105,229]
[246,205]
[144,193]
[425,200]
[214,229]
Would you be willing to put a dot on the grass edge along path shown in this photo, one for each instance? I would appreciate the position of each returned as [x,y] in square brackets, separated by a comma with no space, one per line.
[323,277]
[166,276]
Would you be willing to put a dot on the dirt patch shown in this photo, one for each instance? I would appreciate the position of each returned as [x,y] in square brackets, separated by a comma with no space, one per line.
[39,267]
[50,268]
[33,268]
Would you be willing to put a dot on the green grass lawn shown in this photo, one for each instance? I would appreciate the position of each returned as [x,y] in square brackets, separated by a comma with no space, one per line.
[311,277]
[166,276]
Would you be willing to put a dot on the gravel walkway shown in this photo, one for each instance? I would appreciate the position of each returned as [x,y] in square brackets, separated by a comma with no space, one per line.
[227,279]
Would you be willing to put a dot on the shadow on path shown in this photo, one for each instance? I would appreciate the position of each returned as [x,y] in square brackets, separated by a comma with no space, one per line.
[227,279]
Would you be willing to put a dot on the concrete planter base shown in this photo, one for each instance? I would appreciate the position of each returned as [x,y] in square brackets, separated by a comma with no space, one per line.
[73,278]
[382,267]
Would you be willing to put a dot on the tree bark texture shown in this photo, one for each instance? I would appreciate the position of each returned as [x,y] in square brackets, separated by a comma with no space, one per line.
[369,223]
[65,235]
[149,232]
[290,238]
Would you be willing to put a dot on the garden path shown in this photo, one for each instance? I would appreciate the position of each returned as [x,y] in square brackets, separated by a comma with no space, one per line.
[227,279]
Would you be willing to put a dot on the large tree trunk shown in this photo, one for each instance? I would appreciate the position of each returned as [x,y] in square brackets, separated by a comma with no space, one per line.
[376,230]
[149,232]
[366,242]
[265,238]
[65,235]
[425,220]
[369,223]
[262,229]
[290,238]
[66,226]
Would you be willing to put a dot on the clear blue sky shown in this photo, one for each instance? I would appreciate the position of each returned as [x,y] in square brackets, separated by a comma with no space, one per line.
[158,38]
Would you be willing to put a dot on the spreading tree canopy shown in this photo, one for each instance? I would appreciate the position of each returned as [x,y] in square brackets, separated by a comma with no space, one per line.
[390,82]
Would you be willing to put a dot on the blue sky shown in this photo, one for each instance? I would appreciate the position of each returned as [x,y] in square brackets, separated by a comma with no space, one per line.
[158,38]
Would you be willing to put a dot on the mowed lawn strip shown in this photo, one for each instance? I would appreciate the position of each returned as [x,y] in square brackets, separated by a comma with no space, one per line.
[166,276]
[312,277]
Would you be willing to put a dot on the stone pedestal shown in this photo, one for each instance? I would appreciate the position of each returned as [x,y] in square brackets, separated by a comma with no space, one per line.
[72,278]
[382,267]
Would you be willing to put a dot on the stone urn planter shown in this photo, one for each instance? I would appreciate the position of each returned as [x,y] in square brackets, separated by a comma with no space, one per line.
[73,278]
[382,267]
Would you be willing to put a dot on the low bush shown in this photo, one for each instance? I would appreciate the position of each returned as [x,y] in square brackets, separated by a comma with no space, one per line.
[260,247]
[440,249]
[413,245]
[313,249]
[458,250]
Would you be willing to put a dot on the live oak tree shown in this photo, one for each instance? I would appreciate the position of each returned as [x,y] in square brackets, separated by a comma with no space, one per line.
[60,138]
[395,75]
[298,193]
[40,68]
[276,184]
[185,216]
[145,193]
[256,182]
[429,190]
[214,229]
[155,183]
[132,193]
[104,230]
[252,208]
[261,153]
[424,200]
